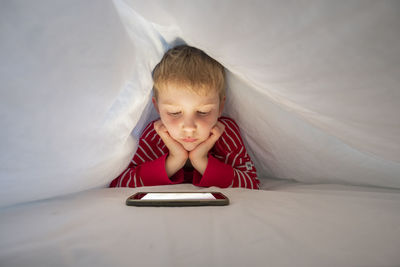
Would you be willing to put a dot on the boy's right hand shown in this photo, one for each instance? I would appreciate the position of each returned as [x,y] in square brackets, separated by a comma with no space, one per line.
[177,153]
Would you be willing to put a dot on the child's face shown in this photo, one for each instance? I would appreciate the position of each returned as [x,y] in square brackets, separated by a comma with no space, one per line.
[188,117]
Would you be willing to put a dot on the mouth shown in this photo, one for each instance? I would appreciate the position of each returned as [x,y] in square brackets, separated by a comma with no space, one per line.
[189,140]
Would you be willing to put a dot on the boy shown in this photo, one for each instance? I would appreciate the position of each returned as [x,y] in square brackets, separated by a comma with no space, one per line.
[190,142]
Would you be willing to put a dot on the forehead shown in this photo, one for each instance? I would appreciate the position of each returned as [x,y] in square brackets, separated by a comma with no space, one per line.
[176,95]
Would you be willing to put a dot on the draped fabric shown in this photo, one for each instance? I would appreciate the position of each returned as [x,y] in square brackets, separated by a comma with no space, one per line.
[313,85]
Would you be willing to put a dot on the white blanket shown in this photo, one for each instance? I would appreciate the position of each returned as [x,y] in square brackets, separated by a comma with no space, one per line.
[313,86]
[287,224]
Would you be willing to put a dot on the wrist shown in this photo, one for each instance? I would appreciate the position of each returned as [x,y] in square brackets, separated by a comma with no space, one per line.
[173,164]
[200,164]
[179,161]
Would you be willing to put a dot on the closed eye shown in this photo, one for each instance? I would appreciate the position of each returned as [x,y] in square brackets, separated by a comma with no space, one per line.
[174,113]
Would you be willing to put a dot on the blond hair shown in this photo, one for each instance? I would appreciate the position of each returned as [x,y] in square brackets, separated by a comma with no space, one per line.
[191,68]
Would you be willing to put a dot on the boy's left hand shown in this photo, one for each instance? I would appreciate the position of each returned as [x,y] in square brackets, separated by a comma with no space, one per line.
[198,156]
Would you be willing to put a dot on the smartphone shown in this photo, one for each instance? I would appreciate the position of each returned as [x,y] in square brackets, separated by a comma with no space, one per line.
[177,199]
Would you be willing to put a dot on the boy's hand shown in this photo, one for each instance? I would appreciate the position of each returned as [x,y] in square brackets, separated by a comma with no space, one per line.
[174,147]
[177,153]
[198,156]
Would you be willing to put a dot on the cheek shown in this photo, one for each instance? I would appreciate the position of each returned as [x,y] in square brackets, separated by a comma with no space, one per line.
[172,126]
[212,119]
[207,124]
[204,124]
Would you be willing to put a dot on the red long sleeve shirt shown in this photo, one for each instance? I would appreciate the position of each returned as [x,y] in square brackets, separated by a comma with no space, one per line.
[229,165]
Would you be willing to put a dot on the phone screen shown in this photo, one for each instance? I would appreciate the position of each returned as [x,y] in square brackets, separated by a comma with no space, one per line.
[178,196]
[177,199]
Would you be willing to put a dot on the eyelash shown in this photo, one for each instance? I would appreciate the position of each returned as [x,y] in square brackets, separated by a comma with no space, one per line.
[174,114]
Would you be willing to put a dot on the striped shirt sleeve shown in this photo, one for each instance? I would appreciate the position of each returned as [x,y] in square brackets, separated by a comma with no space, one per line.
[147,167]
[230,164]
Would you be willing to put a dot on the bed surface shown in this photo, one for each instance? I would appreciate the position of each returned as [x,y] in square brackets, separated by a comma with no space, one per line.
[283,224]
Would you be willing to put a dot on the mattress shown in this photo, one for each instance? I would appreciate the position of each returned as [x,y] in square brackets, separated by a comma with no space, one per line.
[283,224]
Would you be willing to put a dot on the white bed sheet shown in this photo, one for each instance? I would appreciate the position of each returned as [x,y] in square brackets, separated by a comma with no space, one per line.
[286,224]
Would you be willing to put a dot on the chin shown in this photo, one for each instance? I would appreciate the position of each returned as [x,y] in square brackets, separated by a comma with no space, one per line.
[189,147]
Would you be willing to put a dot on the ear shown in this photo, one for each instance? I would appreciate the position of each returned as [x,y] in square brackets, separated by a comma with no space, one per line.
[154,100]
[221,106]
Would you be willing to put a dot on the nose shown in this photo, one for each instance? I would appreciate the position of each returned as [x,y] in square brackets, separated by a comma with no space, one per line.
[189,125]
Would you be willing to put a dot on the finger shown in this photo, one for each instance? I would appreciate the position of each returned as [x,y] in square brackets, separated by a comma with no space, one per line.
[221,127]
[160,127]
[215,135]
[170,142]
[157,125]
[217,130]
[164,134]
